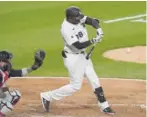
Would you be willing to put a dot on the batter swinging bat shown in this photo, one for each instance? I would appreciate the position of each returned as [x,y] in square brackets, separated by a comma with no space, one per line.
[91,49]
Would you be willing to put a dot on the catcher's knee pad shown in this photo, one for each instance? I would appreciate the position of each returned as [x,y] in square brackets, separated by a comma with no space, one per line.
[14,96]
[5,108]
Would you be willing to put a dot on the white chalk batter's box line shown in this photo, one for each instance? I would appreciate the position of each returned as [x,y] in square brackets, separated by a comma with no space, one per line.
[69,116]
[95,105]
[61,77]
[142,106]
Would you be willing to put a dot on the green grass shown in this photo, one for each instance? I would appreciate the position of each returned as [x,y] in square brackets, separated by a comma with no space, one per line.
[27,26]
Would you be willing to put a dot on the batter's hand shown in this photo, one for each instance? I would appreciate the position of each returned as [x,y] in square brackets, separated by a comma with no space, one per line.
[39,58]
[97,39]
[100,32]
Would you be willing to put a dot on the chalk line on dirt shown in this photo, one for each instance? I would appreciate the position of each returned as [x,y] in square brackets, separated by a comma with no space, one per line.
[52,77]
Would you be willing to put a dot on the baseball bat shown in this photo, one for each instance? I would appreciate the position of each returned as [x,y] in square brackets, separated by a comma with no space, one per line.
[91,49]
[90,52]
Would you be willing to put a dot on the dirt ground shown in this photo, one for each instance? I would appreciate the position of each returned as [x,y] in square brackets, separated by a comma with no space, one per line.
[131,54]
[127,98]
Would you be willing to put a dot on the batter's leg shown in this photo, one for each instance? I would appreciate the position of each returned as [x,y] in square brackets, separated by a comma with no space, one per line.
[91,75]
[76,72]
[98,90]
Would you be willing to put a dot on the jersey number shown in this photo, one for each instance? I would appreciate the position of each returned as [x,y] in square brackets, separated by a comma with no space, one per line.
[79,35]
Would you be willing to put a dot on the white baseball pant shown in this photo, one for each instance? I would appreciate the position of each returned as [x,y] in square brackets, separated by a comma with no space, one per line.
[78,67]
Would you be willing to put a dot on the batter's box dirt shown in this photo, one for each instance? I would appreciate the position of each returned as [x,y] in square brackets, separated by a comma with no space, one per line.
[127,98]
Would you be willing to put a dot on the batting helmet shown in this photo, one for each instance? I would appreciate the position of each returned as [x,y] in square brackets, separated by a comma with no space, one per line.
[73,14]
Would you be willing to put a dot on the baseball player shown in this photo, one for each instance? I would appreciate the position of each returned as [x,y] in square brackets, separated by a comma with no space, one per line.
[76,40]
[8,97]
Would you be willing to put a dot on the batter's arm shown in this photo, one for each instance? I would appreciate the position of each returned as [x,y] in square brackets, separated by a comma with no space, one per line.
[93,22]
[82,45]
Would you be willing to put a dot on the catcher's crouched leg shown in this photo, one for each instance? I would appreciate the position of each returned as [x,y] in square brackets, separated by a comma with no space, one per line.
[5,108]
[13,96]
[7,103]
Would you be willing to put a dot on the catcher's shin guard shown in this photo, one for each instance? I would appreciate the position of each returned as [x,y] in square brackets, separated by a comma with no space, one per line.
[14,97]
[5,108]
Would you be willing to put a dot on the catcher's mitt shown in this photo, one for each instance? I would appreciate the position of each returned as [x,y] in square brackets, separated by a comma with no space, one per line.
[38,57]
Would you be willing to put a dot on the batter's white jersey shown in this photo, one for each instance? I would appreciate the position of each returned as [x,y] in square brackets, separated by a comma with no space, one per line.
[72,33]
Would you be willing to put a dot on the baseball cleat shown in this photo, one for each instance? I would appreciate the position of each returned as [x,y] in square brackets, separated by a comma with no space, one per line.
[109,111]
[45,104]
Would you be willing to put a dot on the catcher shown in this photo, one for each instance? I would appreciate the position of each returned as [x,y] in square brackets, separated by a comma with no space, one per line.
[9,98]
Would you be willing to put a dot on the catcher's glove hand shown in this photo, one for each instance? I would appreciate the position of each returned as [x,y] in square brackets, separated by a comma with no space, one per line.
[38,57]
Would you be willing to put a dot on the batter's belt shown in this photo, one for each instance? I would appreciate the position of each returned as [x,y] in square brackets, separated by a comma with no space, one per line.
[64,53]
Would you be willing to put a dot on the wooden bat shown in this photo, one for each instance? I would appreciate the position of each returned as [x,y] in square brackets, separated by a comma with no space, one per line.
[90,52]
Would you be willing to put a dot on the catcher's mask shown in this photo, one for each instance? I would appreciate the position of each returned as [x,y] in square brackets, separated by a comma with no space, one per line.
[5,63]
[5,56]
[5,66]
[73,15]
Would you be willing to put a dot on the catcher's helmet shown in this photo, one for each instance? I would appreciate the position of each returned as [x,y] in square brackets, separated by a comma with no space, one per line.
[73,14]
[5,56]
